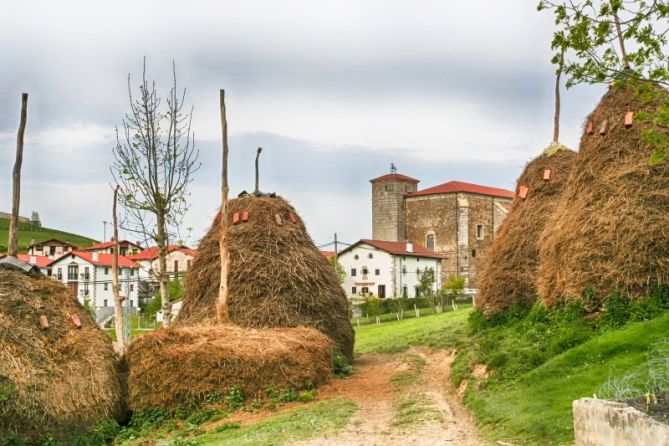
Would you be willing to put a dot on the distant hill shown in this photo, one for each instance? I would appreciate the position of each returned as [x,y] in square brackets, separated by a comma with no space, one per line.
[28,232]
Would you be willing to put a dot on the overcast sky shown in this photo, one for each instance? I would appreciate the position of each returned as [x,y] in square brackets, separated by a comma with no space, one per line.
[333,92]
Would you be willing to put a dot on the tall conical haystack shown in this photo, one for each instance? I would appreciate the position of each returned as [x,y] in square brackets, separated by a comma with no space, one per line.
[511,273]
[278,278]
[610,230]
[54,382]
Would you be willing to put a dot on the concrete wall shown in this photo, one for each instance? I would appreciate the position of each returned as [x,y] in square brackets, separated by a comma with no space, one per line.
[388,209]
[608,423]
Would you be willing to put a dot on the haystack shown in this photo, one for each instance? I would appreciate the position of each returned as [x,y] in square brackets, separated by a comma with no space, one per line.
[54,381]
[180,367]
[278,278]
[610,230]
[510,275]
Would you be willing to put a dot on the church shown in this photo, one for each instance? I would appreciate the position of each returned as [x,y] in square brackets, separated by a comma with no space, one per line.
[457,220]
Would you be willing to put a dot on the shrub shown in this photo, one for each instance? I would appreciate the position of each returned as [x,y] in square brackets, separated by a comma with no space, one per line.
[341,365]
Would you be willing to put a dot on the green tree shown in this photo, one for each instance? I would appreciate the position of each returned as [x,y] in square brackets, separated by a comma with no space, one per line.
[174,290]
[453,288]
[339,270]
[371,306]
[426,280]
[605,40]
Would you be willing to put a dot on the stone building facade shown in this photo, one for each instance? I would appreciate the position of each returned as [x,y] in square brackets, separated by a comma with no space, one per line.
[456,219]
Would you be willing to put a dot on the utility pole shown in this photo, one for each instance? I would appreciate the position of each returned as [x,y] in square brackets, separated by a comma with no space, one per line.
[16,194]
[336,250]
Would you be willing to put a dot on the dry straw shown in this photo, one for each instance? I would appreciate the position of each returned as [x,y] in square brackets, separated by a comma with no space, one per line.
[610,229]
[278,278]
[56,381]
[510,275]
[182,366]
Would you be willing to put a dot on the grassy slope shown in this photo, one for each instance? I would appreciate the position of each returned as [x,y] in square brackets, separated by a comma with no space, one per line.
[535,407]
[27,232]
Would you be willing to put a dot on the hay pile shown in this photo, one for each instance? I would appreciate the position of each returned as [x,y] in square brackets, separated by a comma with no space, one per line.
[510,275]
[180,367]
[278,278]
[53,382]
[610,229]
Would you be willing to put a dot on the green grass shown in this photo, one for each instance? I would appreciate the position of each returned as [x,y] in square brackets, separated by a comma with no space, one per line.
[412,404]
[443,330]
[28,232]
[325,417]
[535,408]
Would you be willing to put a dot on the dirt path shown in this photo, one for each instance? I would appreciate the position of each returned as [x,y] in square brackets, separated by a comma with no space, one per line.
[376,422]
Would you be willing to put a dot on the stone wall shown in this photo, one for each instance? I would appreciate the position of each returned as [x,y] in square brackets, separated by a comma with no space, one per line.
[388,209]
[453,219]
[608,423]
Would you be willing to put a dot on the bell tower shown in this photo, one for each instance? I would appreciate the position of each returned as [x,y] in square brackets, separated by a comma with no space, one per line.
[388,216]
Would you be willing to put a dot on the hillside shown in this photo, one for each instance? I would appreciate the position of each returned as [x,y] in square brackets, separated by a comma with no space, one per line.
[28,232]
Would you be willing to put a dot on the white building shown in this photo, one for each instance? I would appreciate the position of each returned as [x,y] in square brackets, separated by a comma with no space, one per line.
[51,248]
[88,276]
[387,269]
[125,248]
[179,259]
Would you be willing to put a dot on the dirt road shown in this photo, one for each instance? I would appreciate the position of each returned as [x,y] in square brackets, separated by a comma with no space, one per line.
[403,399]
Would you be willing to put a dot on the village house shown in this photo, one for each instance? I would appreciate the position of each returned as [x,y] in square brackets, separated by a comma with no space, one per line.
[125,248]
[387,269]
[179,259]
[51,248]
[457,220]
[88,276]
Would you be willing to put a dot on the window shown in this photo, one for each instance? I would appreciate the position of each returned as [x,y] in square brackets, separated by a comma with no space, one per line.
[38,248]
[370,256]
[48,272]
[377,272]
[404,270]
[132,272]
[417,292]
[364,271]
[354,290]
[382,291]
[72,271]
[356,257]
[106,286]
[418,271]
[176,266]
[132,287]
[105,303]
[473,253]
[364,290]
[86,273]
[479,232]
[60,273]
[353,272]
[429,242]
[405,291]
[106,271]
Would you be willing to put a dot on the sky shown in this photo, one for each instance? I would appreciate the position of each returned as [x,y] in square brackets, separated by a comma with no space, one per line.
[334,91]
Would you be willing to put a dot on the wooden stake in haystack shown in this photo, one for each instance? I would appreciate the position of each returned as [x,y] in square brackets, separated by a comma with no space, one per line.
[222,302]
[118,311]
[16,179]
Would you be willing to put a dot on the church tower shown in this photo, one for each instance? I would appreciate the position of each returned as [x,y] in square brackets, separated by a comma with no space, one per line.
[388,218]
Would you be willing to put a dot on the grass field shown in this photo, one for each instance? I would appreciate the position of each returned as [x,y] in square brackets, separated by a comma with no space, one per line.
[524,402]
[28,232]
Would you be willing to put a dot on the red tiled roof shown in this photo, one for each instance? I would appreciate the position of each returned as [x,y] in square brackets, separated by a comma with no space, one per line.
[400,248]
[328,254]
[153,252]
[40,261]
[394,176]
[108,244]
[460,186]
[59,242]
[103,259]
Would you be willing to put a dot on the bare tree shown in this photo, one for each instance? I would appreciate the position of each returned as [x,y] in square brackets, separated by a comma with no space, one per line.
[222,302]
[118,311]
[155,159]
[16,179]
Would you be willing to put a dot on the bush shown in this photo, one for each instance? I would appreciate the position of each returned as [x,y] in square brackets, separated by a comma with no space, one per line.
[340,365]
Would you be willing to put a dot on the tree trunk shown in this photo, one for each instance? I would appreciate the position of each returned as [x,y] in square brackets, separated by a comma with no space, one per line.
[16,178]
[161,240]
[222,302]
[118,311]
[621,42]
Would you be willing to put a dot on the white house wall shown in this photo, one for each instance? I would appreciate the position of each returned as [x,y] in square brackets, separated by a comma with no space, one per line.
[390,271]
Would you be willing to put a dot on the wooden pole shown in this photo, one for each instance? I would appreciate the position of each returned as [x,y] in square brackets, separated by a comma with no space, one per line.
[118,311]
[222,302]
[16,178]
[257,191]
[621,41]
[556,118]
